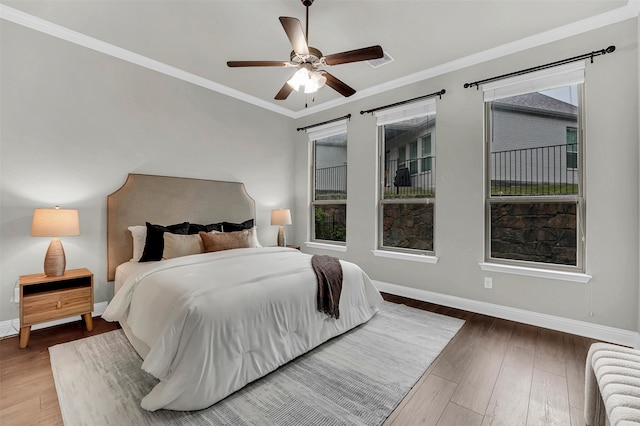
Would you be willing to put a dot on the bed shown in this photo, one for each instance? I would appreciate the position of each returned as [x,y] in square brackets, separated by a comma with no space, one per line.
[208,323]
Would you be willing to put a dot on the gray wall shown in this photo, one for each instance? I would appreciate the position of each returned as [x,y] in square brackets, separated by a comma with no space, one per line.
[611,187]
[75,122]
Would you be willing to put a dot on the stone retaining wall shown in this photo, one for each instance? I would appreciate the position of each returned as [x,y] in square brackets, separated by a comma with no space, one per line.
[534,232]
[408,226]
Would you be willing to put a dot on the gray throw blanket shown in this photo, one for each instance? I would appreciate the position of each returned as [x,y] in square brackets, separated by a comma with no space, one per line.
[329,274]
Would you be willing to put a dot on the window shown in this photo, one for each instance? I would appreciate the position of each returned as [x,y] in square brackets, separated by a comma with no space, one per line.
[407,186]
[413,158]
[329,183]
[402,156]
[572,148]
[534,169]
[426,153]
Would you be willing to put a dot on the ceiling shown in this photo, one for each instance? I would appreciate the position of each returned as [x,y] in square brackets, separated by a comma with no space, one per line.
[193,39]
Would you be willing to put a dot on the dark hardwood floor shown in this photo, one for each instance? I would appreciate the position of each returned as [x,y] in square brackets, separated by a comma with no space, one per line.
[493,372]
[27,392]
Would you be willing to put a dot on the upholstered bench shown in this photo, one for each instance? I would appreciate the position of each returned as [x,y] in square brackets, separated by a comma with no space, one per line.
[612,385]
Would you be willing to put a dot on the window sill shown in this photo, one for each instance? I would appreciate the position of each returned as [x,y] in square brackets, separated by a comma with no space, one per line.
[405,256]
[325,246]
[577,277]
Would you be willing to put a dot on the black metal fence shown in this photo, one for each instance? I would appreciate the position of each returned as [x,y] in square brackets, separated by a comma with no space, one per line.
[546,170]
[331,183]
[331,222]
[410,178]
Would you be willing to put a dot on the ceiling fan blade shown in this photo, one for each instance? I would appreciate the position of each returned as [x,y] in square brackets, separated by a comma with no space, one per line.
[364,54]
[338,85]
[257,64]
[283,93]
[294,31]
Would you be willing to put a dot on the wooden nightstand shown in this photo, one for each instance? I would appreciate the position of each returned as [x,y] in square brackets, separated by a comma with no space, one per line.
[45,298]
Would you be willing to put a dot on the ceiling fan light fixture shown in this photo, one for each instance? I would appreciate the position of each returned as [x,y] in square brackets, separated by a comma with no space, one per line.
[315,82]
[306,79]
[300,78]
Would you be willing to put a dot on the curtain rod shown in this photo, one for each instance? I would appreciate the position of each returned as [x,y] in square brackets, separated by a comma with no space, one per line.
[591,55]
[348,117]
[431,95]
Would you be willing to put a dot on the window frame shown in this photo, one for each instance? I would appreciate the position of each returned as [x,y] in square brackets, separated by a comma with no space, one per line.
[426,155]
[578,199]
[428,108]
[321,132]
[402,156]
[574,150]
[413,160]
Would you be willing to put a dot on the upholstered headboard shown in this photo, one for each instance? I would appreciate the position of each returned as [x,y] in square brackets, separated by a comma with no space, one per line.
[167,200]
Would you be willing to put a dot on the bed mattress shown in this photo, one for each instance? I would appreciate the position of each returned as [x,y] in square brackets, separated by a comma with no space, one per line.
[208,324]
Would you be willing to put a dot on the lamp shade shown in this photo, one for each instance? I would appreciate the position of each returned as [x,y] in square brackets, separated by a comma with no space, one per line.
[55,222]
[281,217]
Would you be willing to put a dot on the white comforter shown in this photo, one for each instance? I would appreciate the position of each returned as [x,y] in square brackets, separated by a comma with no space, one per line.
[217,321]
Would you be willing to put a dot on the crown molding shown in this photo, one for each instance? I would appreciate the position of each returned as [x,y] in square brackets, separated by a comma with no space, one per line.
[629,11]
[18,17]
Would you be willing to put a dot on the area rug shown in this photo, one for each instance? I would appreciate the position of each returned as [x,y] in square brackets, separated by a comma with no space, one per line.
[354,379]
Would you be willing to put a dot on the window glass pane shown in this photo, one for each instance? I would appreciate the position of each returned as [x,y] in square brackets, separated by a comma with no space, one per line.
[330,182]
[426,154]
[413,158]
[402,180]
[402,156]
[537,232]
[408,226]
[572,147]
[529,148]
[331,222]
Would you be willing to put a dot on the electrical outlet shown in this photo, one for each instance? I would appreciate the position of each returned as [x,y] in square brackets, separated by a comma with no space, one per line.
[16,295]
[488,282]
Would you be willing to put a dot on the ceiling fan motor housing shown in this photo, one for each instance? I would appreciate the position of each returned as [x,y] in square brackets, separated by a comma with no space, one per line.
[313,58]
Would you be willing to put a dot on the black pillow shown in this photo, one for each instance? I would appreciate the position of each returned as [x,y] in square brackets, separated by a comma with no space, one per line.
[154,244]
[194,228]
[233,227]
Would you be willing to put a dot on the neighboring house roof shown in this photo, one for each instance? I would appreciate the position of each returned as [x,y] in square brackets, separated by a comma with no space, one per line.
[537,102]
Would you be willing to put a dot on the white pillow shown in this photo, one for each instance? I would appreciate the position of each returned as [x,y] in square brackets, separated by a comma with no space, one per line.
[176,245]
[139,235]
[253,237]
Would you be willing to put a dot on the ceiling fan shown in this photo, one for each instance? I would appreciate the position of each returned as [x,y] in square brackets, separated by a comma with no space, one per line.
[309,61]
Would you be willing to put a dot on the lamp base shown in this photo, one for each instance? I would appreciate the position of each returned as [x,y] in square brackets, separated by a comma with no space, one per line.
[282,239]
[55,261]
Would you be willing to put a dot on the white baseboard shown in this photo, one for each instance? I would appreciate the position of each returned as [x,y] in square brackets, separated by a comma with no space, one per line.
[581,328]
[12,327]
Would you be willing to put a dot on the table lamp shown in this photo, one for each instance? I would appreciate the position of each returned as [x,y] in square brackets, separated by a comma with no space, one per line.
[281,217]
[55,223]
